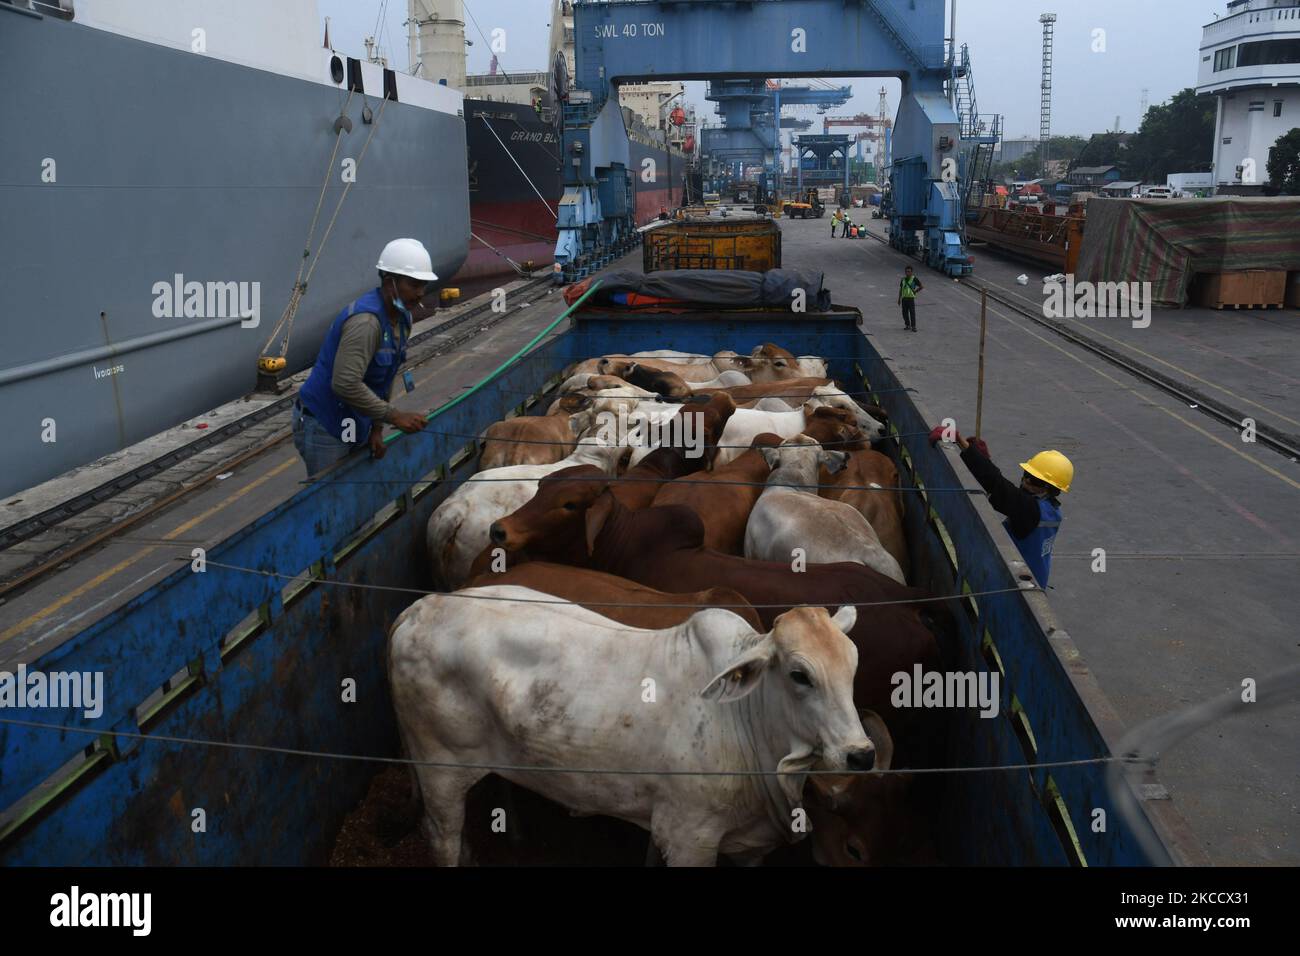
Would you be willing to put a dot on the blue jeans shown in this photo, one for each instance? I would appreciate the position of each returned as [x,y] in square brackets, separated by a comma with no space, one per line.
[318,448]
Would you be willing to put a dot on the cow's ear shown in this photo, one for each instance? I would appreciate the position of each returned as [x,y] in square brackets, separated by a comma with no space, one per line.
[846,617]
[771,455]
[580,421]
[742,675]
[597,515]
[881,738]
[835,461]
[829,791]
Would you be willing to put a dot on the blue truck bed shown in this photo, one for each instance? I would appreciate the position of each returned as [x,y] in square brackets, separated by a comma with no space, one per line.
[233,656]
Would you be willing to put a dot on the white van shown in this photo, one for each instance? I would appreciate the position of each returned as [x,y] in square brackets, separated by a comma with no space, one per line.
[1158,192]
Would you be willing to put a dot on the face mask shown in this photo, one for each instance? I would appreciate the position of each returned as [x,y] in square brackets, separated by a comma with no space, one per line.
[399,305]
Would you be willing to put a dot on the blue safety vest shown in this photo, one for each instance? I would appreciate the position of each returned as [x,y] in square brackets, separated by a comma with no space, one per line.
[1036,547]
[317,393]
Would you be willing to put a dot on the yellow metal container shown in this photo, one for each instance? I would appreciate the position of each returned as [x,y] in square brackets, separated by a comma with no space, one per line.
[733,243]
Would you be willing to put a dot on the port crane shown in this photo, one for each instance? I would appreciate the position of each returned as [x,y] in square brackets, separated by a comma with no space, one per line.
[648,40]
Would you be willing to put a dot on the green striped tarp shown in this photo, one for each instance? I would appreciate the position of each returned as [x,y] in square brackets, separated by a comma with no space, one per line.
[1168,241]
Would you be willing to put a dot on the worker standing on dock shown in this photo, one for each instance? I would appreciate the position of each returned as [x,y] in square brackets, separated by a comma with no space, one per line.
[836,218]
[344,402]
[1032,508]
[907,290]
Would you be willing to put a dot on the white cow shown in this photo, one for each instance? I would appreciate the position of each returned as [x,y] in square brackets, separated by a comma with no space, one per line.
[481,681]
[727,379]
[748,423]
[790,514]
[458,528]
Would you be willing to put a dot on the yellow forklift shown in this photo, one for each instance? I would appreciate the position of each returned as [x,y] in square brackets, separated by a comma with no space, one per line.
[809,204]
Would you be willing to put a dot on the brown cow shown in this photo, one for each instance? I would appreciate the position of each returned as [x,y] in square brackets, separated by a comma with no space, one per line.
[659,381]
[882,509]
[835,434]
[639,485]
[609,595]
[556,434]
[724,507]
[574,520]
[871,819]
[743,394]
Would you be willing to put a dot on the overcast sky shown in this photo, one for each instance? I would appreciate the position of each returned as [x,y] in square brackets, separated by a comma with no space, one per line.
[1150,44]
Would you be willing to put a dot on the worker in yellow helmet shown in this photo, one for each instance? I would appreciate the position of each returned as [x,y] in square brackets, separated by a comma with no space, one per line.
[1032,508]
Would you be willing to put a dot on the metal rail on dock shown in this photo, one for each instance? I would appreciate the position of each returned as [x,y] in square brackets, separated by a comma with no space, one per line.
[53,517]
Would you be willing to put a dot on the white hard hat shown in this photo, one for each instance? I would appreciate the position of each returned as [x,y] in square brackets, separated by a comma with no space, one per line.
[407,257]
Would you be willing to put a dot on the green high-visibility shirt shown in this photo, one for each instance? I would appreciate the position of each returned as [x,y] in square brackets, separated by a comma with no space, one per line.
[909,286]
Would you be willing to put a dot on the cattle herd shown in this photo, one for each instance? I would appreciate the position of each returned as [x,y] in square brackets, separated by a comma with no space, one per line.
[689,574]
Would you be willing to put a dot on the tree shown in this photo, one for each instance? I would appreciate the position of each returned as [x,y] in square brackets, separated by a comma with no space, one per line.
[1030,166]
[1175,137]
[1284,164]
[1104,149]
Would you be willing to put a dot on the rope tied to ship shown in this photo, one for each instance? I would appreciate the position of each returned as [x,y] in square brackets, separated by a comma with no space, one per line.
[302,280]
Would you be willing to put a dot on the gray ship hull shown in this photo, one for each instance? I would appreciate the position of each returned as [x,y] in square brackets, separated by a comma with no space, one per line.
[172,164]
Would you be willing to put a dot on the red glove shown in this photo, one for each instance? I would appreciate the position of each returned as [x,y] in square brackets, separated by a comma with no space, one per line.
[936,435]
[979,446]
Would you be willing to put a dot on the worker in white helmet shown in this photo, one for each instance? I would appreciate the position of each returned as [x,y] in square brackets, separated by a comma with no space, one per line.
[344,402]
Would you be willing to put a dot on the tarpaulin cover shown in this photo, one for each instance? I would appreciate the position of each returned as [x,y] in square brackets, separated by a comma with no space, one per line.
[717,288]
[1168,241]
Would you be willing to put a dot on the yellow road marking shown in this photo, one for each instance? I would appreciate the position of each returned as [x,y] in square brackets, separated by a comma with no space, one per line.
[144,552]
[1236,451]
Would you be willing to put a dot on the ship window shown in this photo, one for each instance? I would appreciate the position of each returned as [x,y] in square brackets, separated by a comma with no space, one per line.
[1277,108]
[1269,52]
[1225,59]
[355,83]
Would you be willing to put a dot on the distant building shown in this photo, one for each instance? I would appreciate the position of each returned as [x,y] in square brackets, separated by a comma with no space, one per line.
[1094,177]
[1014,150]
[1121,190]
[1250,61]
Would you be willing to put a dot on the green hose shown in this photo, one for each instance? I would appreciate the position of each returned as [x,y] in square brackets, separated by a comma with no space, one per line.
[507,363]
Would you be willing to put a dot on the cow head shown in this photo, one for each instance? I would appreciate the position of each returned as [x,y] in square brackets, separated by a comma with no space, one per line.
[863,820]
[771,363]
[616,366]
[554,515]
[805,669]
[728,361]
[594,450]
[828,396]
[799,460]
[835,433]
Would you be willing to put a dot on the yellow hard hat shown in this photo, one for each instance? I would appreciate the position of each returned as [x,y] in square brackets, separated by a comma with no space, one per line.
[1051,467]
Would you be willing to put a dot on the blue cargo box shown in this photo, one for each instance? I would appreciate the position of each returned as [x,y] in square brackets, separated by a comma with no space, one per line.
[233,656]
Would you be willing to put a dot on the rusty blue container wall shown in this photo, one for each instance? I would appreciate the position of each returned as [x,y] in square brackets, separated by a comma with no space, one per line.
[282,688]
